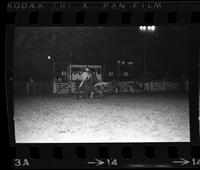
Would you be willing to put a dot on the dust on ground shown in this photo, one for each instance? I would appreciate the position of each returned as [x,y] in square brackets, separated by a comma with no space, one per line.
[117,118]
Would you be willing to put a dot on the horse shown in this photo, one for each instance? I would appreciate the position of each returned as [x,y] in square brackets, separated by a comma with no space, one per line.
[112,87]
[106,88]
[88,89]
[96,90]
[92,87]
[84,89]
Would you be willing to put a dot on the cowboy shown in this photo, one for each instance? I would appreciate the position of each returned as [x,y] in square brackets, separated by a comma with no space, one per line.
[84,76]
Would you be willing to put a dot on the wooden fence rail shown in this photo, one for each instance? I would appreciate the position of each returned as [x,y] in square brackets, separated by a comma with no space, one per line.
[21,87]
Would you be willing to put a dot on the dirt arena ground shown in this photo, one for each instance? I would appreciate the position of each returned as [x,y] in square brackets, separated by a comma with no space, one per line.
[116,118]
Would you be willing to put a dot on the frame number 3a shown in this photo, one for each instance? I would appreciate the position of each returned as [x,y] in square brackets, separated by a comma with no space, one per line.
[21,163]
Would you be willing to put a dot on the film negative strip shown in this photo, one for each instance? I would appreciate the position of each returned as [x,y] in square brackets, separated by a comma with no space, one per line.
[103,84]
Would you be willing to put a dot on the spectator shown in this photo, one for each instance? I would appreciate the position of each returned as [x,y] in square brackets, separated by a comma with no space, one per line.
[31,87]
[73,76]
[55,85]
[59,79]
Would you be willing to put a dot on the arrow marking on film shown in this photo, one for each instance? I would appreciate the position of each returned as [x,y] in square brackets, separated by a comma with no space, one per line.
[182,161]
[98,162]
[91,162]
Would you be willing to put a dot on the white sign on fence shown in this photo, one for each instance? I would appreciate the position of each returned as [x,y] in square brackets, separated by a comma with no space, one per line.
[61,88]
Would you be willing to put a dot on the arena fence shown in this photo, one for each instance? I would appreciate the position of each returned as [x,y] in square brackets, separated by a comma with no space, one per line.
[22,87]
[162,86]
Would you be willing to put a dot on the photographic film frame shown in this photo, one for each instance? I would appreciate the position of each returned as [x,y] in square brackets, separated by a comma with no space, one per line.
[106,14]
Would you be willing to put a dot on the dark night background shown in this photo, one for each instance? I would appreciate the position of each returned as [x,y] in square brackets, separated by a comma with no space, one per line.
[167,49]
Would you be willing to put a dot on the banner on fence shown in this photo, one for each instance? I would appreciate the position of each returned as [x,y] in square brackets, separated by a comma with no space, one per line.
[61,88]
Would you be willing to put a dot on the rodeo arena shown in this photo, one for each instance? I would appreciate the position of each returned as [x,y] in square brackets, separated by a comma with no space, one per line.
[116,107]
[101,85]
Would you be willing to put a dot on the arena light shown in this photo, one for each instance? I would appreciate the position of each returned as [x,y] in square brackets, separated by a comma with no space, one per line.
[149,28]
[153,28]
[142,28]
[130,63]
[123,62]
